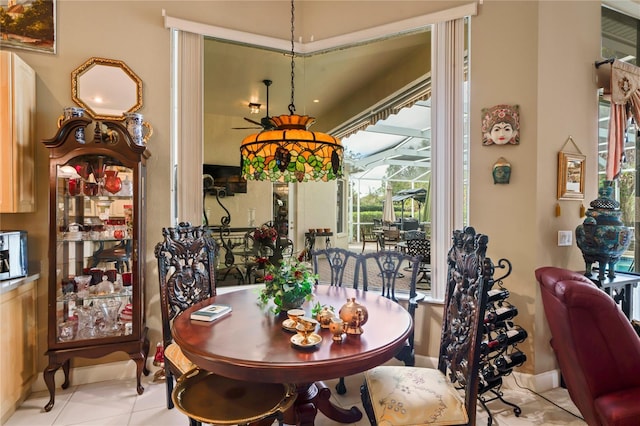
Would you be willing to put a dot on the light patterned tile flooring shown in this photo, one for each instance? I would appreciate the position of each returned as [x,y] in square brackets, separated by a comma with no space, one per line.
[116,403]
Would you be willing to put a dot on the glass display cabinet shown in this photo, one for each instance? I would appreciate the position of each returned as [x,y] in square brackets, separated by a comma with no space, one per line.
[96,281]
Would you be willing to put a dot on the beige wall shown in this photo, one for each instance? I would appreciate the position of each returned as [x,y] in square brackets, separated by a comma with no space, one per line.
[525,53]
[522,52]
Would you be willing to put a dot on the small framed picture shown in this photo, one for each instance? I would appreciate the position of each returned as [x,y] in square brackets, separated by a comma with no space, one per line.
[570,176]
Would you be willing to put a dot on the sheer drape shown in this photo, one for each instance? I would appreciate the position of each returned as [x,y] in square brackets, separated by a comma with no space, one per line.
[447,145]
[189,133]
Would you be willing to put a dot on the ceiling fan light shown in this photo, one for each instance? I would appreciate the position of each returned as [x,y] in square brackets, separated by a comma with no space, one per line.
[254,108]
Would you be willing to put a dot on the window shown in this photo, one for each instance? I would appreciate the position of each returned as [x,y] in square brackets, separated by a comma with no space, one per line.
[620,40]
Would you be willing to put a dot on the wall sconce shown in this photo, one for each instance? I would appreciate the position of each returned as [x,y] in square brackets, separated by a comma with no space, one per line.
[254,108]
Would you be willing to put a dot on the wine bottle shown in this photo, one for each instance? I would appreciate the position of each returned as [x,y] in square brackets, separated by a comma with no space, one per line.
[490,373]
[503,340]
[501,314]
[489,327]
[506,362]
[497,294]
[485,386]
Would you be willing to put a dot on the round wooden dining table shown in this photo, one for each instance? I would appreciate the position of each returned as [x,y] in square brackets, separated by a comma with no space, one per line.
[251,344]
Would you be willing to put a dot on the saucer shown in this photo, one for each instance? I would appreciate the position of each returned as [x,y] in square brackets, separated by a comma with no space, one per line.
[289,325]
[314,339]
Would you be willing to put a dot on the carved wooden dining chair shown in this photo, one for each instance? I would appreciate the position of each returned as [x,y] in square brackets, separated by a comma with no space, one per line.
[186,272]
[400,396]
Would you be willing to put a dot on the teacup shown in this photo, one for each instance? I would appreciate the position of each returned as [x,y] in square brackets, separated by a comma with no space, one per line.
[337,328]
[294,315]
[306,326]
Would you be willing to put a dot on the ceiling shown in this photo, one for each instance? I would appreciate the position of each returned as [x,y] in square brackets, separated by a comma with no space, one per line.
[234,75]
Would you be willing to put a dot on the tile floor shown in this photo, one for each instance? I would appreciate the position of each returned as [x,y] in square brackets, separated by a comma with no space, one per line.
[116,403]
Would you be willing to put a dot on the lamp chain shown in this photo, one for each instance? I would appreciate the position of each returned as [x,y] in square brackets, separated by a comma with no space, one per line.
[292,107]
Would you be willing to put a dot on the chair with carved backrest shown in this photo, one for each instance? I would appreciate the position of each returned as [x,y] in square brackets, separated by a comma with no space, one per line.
[336,266]
[186,272]
[414,395]
[382,270]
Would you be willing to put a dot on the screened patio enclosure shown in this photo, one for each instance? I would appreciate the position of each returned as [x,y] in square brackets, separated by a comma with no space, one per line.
[389,144]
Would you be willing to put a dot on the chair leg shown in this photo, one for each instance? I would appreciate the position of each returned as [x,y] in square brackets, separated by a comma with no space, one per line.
[341,388]
[366,404]
[169,383]
[194,422]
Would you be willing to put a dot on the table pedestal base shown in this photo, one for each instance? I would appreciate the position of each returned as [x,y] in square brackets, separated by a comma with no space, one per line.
[313,397]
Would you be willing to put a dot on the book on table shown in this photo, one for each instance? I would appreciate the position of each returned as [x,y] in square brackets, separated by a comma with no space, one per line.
[211,312]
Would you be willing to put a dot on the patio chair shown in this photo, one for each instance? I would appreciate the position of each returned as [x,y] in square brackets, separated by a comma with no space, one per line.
[368,236]
[421,248]
[389,238]
[396,395]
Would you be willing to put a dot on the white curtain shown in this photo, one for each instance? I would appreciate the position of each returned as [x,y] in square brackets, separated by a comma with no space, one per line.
[447,116]
[188,137]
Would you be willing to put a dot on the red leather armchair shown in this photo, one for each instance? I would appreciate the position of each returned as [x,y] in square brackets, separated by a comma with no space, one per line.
[596,347]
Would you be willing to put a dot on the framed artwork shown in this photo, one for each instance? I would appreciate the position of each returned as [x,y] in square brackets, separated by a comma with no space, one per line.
[570,176]
[29,25]
[501,125]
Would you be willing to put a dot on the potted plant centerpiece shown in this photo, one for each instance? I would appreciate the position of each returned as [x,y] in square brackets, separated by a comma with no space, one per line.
[288,284]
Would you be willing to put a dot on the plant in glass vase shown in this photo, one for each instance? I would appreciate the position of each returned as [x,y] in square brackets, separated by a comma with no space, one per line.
[288,285]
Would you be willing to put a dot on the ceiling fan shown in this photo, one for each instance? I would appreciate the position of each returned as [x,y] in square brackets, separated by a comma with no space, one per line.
[265,122]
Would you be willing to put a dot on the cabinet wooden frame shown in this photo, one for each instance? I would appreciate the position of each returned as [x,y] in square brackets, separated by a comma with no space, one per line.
[70,257]
[571,170]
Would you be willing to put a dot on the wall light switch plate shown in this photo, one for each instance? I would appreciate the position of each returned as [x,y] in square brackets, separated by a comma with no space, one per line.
[565,238]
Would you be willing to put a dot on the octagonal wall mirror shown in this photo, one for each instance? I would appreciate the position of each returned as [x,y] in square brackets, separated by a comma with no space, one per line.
[106,88]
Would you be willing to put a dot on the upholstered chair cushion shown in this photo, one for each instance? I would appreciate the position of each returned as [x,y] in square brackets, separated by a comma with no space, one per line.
[403,396]
[174,355]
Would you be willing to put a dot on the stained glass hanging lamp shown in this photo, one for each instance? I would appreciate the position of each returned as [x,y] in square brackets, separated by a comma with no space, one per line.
[289,152]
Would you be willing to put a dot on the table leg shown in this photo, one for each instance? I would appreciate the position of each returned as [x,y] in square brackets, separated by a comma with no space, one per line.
[338,414]
[313,397]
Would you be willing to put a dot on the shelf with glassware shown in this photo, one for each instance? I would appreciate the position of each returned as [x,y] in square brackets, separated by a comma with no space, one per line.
[96,283]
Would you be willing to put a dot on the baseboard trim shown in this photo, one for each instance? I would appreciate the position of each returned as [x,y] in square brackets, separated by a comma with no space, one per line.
[539,382]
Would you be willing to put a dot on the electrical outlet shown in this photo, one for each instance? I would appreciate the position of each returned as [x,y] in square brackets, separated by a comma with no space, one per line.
[565,238]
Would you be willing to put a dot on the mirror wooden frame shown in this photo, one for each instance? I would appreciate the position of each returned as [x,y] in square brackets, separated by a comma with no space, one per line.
[91,107]
[571,170]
